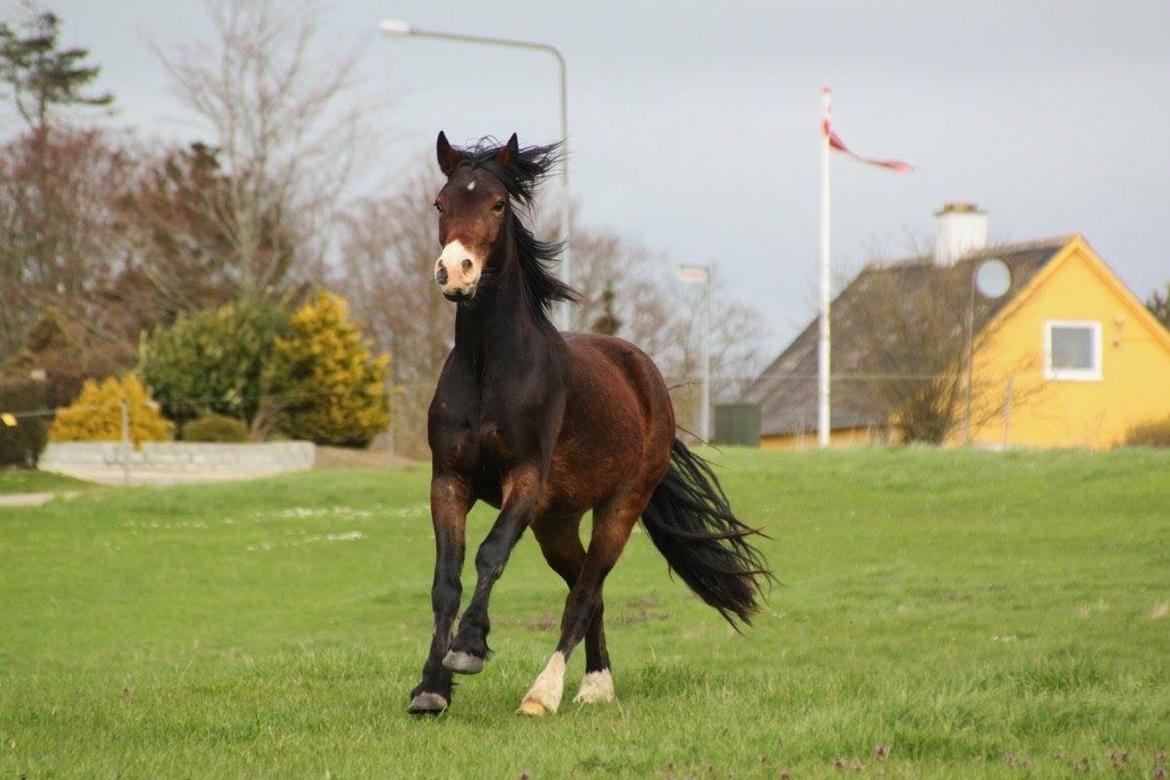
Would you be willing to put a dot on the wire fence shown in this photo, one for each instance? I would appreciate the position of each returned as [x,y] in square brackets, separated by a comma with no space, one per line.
[408,403]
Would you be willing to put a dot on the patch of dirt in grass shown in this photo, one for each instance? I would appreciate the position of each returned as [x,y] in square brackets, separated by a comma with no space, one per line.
[347,458]
[640,609]
[541,624]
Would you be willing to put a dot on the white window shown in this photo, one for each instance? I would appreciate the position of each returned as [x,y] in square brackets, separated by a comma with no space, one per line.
[1072,350]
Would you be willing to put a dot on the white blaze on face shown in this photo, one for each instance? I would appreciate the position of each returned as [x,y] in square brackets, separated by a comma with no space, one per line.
[462,267]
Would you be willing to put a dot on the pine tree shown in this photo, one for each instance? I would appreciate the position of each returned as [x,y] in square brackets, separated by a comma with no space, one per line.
[607,323]
[42,76]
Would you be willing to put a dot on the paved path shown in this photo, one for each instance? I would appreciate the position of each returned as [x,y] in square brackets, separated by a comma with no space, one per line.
[32,499]
[116,476]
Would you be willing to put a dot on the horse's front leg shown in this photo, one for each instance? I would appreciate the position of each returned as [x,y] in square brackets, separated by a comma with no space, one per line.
[521,499]
[450,502]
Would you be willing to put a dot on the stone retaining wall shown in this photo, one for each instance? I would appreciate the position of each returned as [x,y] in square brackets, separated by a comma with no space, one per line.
[267,457]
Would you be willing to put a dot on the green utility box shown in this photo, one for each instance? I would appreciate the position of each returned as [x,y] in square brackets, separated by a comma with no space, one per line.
[737,424]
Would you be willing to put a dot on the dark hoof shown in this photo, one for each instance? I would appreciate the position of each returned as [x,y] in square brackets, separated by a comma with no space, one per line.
[427,703]
[462,663]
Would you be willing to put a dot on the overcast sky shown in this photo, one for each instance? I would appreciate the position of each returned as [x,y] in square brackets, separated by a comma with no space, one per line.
[694,126]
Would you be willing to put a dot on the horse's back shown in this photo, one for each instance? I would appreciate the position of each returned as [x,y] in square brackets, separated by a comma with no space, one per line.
[618,426]
[597,363]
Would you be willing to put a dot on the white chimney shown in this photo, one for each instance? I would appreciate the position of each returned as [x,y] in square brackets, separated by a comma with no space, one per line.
[961,229]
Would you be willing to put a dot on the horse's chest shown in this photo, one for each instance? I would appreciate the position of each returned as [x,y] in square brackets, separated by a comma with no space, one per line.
[475,435]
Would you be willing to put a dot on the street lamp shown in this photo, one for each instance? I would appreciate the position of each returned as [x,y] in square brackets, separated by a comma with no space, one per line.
[701,274]
[397,27]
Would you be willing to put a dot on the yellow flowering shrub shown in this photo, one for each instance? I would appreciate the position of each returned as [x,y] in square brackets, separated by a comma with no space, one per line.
[96,414]
[331,386]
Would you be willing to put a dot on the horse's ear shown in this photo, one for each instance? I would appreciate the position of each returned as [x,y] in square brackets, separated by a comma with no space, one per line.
[447,154]
[509,151]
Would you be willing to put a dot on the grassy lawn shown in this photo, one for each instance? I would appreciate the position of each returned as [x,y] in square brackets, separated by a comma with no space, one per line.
[975,614]
[28,481]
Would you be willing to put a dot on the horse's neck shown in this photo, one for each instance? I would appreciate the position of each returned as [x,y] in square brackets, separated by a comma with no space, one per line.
[501,326]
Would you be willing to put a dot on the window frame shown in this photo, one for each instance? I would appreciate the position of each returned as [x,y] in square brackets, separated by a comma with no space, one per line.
[1093,374]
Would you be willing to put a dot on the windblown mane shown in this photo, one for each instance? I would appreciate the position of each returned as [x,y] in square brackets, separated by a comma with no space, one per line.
[521,178]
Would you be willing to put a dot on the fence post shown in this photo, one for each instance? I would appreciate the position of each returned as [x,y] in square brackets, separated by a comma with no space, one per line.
[126,445]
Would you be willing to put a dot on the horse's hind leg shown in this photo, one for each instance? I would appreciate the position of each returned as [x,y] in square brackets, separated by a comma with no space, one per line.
[612,523]
[560,541]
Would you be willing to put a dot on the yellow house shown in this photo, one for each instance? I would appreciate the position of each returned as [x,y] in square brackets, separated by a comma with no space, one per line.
[1068,357]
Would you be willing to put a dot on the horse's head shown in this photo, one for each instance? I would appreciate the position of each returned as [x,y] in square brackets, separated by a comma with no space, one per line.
[473,206]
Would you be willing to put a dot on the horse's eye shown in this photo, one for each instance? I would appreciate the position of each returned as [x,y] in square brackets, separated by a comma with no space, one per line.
[499,207]
[437,206]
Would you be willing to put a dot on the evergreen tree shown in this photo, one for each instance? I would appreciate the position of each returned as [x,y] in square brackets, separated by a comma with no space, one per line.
[1159,305]
[42,76]
[334,387]
[607,323]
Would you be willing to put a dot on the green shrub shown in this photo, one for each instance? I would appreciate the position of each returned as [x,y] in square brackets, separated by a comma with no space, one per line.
[213,361]
[21,437]
[96,414]
[215,427]
[1155,433]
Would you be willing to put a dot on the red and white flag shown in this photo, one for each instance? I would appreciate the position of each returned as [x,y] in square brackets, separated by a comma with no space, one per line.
[836,143]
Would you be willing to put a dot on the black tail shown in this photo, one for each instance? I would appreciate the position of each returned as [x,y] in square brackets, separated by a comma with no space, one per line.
[692,525]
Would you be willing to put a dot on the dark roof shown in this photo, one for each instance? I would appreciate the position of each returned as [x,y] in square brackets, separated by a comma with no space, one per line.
[786,391]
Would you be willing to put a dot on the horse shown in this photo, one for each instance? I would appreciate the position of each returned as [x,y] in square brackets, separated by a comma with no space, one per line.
[545,426]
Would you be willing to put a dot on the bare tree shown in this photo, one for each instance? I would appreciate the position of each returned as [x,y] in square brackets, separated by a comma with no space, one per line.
[181,257]
[55,216]
[59,230]
[388,251]
[281,132]
[905,333]
[640,291]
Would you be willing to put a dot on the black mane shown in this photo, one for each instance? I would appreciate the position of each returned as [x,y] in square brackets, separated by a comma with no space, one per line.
[521,177]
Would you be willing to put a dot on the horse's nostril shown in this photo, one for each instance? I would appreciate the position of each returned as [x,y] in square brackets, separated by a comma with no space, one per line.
[441,274]
[467,265]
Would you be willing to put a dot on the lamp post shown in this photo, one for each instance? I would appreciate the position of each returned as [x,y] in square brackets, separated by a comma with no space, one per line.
[396,27]
[701,274]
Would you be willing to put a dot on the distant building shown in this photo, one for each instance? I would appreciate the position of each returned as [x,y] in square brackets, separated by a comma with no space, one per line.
[1068,336]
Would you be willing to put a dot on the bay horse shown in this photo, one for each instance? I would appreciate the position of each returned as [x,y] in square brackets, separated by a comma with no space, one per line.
[545,426]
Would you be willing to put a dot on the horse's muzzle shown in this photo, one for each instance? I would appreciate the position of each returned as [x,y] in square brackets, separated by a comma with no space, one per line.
[459,296]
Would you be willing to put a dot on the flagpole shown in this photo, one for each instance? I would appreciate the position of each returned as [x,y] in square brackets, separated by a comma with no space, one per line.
[823,366]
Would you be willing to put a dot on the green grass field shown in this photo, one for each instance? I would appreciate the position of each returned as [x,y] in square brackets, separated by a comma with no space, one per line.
[24,481]
[975,614]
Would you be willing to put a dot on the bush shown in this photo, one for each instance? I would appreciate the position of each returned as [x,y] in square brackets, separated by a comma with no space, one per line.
[213,362]
[215,427]
[62,351]
[1155,433]
[96,414]
[21,437]
[334,389]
